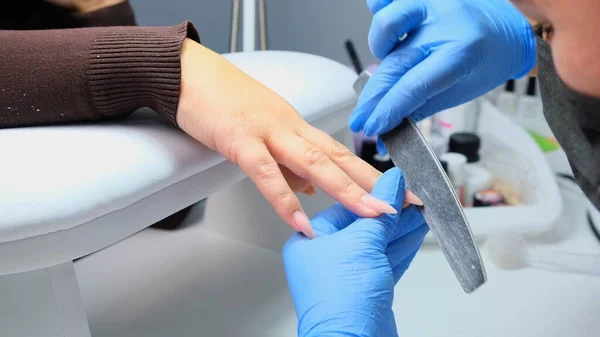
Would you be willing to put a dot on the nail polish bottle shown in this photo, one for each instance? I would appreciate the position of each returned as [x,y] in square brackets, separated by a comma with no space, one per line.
[462,118]
[477,177]
[370,154]
[530,105]
[507,100]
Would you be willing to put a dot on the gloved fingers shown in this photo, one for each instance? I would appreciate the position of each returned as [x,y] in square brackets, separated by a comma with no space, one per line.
[376,5]
[399,249]
[381,147]
[401,268]
[389,188]
[391,70]
[332,220]
[384,229]
[432,76]
[392,22]
[408,221]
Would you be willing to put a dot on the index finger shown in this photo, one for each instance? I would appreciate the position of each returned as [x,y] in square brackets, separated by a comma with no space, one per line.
[264,171]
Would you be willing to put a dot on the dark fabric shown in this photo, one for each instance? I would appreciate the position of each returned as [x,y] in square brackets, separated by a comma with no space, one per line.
[86,74]
[71,75]
[575,121]
[39,14]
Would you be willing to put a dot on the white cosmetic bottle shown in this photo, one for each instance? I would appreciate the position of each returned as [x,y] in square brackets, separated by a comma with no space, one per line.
[477,177]
[530,105]
[456,169]
[462,118]
[507,100]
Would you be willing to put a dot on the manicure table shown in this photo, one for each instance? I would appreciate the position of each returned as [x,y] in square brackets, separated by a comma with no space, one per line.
[70,192]
[222,276]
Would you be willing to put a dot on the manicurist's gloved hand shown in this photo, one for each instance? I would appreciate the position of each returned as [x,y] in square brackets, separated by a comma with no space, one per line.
[456,50]
[342,282]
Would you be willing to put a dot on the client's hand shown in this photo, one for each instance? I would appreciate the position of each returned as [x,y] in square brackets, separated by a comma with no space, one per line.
[230,112]
[342,282]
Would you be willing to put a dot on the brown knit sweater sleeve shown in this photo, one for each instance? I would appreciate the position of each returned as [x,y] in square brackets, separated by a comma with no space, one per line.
[86,74]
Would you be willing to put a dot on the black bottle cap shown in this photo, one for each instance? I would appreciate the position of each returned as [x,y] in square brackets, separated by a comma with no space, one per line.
[531,87]
[368,151]
[382,164]
[444,165]
[467,144]
[510,86]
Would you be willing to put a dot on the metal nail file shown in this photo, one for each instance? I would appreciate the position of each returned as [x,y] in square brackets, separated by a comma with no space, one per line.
[442,210]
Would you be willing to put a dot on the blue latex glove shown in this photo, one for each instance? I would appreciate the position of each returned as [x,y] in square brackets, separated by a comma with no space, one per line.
[342,282]
[456,51]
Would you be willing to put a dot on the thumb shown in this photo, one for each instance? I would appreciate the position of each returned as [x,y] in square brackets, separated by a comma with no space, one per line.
[390,188]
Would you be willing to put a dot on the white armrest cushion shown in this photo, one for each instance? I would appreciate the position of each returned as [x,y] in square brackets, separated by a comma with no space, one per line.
[56,178]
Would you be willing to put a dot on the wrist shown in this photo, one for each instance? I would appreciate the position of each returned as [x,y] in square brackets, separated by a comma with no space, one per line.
[201,69]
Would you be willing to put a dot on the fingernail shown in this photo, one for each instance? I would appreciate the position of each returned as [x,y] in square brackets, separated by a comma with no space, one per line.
[303,224]
[310,191]
[377,205]
[410,197]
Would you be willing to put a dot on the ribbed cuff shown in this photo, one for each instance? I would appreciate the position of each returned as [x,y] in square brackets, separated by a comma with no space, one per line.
[134,67]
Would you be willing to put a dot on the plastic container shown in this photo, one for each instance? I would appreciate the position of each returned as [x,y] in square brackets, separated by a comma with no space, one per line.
[512,156]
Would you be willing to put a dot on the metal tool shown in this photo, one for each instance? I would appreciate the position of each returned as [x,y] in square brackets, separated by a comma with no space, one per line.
[235,23]
[442,210]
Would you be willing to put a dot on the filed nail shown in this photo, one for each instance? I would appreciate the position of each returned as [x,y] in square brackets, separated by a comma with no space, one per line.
[377,205]
[310,190]
[411,198]
[303,224]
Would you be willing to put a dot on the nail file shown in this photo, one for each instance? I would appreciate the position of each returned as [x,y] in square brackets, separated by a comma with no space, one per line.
[442,210]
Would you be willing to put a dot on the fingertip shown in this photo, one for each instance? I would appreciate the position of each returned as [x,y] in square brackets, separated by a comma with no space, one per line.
[381,147]
[391,188]
[376,124]
[355,122]
[302,224]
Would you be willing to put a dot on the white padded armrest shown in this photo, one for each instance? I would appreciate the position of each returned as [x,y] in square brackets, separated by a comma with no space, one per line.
[67,191]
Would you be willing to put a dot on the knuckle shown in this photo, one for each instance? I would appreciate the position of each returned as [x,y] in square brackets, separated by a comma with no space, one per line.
[348,187]
[339,152]
[315,157]
[234,147]
[286,200]
[266,168]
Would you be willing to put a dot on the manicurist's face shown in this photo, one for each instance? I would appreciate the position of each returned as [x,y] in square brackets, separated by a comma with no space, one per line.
[575,39]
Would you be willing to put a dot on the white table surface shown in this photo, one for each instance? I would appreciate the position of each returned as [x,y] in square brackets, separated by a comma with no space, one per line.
[196,282]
